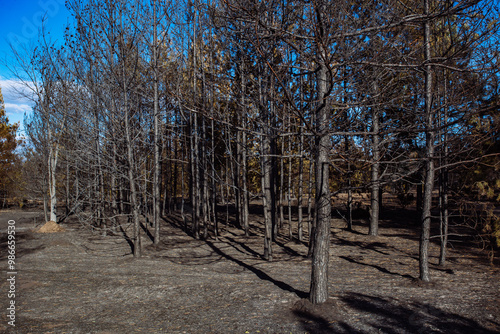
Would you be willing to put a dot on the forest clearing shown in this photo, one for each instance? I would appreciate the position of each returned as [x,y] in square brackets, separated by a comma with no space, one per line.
[78,281]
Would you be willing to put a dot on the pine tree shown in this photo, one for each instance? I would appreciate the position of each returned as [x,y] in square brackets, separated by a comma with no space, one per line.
[8,145]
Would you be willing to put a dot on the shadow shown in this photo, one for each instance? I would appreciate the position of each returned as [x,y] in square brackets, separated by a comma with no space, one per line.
[290,251]
[191,258]
[312,323]
[21,239]
[287,250]
[379,268]
[176,221]
[353,231]
[181,247]
[259,273]
[373,246]
[444,270]
[128,239]
[256,209]
[399,218]
[146,230]
[167,244]
[246,249]
[388,315]
[321,319]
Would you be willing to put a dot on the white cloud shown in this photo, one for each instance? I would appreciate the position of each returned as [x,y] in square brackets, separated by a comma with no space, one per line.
[12,108]
[15,99]
[14,90]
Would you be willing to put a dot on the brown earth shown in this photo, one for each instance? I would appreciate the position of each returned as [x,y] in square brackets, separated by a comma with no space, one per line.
[78,281]
[50,227]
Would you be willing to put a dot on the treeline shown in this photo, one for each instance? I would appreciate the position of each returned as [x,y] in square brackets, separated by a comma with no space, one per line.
[151,107]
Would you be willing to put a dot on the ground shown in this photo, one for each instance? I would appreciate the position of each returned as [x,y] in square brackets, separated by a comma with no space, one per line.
[78,281]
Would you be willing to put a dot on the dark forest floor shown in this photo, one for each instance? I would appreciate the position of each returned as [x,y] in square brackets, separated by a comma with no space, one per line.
[81,282]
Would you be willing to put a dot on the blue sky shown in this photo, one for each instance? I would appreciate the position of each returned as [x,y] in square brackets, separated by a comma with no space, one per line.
[20,21]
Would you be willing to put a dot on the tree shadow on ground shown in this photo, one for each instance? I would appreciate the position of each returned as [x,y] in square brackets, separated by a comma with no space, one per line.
[129,241]
[390,316]
[377,247]
[20,238]
[220,249]
[244,247]
[379,268]
[290,251]
[320,319]
[382,315]
[195,256]
[235,242]
[146,230]
[259,273]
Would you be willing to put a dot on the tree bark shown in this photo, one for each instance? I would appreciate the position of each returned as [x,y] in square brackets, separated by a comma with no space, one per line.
[321,238]
[244,195]
[132,185]
[429,162]
[268,196]
[156,111]
[443,183]
[289,194]
[375,171]
[52,164]
[349,187]
[300,231]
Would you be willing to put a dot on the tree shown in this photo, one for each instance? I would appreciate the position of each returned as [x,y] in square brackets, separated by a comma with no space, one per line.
[460,56]
[429,153]
[8,156]
[39,71]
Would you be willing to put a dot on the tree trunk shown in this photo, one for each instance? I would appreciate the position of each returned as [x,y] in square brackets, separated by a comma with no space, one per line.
[236,175]
[195,227]
[268,196]
[301,187]
[444,217]
[244,199]
[429,163]
[321,238]
[114,193]
[349,185]
[205,203]
[375,189]
[156,167]
[100,176]
[268,175]
[67,191]
[214,184]
[310,217]
[281,187]
[289,195]
[45,209]
[244,203]
[52,164]
[133,187]
[443,180]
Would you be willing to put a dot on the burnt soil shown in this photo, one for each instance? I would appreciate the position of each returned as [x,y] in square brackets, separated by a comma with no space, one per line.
[79,281]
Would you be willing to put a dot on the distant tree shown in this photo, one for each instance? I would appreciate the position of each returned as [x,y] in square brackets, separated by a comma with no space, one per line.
[8,156]
[468,26]
[39,70]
